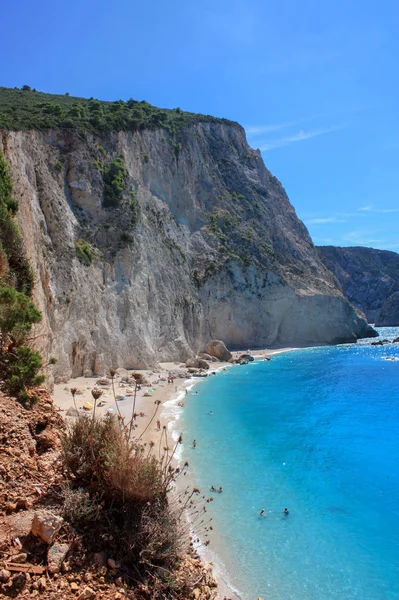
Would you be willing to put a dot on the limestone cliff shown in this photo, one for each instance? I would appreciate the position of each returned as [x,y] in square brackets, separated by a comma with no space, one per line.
[389,313]
[367,276]
[201,243]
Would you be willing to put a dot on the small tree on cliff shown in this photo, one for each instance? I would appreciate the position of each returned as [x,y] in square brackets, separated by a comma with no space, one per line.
[19,364]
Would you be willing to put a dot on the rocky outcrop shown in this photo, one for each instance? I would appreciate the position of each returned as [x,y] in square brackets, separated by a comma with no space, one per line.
[218,349]
[197,363]
[202,243]
[367,276]
[389,313]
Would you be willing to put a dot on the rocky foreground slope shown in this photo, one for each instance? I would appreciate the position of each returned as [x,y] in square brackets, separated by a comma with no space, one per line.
[148,243]
[367,276]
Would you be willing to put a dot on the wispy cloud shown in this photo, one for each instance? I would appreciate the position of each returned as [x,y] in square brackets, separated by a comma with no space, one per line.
[256,130]
[378,210]
[362,237]
[322,220]
[298,137]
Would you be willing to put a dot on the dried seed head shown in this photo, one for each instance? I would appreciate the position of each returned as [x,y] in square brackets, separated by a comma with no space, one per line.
[73,391]
[96,393]
[112,373]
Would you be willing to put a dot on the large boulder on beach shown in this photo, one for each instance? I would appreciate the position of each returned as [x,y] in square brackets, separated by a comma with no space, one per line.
[207,357]
[218,348]
[197,363]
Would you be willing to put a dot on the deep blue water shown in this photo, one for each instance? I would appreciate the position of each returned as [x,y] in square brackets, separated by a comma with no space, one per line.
[315,431]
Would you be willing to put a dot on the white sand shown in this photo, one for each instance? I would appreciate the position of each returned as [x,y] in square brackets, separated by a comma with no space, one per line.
[145,403]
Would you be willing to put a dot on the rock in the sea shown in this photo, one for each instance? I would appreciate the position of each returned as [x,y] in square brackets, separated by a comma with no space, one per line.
[389,313]
[218,349]
[46,525]
[245,359]
[197,363]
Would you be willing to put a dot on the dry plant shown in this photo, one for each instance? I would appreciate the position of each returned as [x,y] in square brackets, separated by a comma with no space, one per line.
[140,506]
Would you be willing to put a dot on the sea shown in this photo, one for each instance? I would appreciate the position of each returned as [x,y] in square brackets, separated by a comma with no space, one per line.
[315,431]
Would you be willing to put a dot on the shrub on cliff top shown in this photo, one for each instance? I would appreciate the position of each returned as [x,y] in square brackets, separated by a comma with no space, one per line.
[28,109]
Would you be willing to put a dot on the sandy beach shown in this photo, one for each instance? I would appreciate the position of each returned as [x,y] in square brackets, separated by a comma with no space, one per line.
[150,399]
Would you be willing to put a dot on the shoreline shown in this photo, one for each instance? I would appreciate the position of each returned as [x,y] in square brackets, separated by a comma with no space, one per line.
[171,404]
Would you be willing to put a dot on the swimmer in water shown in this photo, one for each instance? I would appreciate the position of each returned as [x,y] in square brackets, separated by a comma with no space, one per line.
[262,512]
[194,444]
[286,511]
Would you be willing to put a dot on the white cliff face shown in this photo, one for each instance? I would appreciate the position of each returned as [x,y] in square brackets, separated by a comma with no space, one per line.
[204,244]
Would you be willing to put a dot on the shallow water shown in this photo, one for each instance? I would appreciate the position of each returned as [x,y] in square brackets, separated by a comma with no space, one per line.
[316,431]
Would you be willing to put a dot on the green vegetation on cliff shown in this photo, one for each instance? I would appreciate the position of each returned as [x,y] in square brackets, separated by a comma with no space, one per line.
[29,109]
[19,364]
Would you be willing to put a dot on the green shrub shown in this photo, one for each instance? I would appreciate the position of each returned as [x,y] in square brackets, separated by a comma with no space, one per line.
[20,272]
[19,364]
[17,315]
[22,373]
[84,252]
[30,109]
[114,176]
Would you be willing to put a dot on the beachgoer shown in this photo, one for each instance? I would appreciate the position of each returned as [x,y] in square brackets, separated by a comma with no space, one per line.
[286,511]
[213,489]
[262,512]
[194,444]
[220,490]
[158,424]
[210,412]
[186,392]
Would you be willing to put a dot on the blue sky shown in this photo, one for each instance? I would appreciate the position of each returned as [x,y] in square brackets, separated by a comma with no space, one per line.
[315,83]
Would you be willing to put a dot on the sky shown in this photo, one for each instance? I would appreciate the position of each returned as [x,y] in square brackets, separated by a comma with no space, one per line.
[315,83]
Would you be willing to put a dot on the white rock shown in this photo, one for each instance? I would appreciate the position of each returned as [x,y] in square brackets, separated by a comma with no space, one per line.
[46,525]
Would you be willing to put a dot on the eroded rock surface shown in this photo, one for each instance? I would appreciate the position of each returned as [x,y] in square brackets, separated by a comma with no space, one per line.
[203,244]
[389,313]
[367,276]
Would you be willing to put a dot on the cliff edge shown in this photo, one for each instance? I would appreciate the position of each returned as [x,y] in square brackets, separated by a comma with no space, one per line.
[148,242]
[367,276]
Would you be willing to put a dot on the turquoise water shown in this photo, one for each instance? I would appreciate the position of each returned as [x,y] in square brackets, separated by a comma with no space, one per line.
[316,431]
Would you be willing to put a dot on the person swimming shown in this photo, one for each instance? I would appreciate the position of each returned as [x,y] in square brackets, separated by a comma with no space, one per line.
[194,444]
[262,512]
[286,511]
